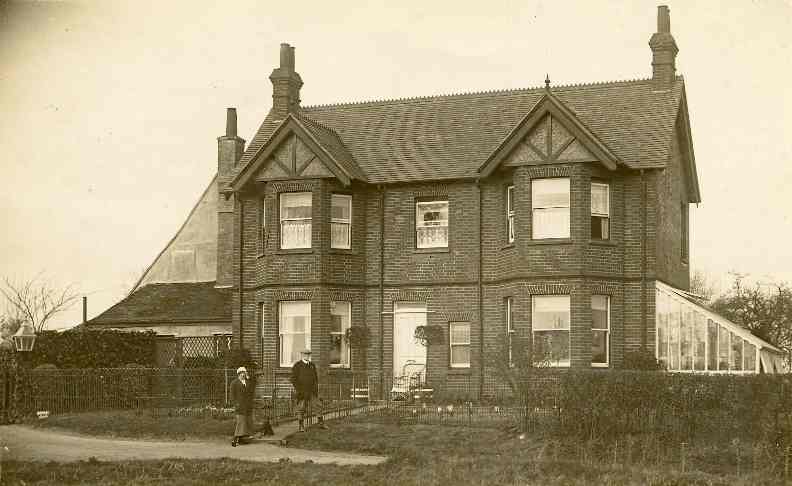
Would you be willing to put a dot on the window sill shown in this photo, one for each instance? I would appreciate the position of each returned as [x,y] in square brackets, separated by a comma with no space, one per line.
[551,241]
[294,251]
[507,246]
[343,251]
[599,365]
[459,371]
[602,243]
[431,250]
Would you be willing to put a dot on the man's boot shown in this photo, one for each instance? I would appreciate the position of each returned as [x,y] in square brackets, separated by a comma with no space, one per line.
[301,427]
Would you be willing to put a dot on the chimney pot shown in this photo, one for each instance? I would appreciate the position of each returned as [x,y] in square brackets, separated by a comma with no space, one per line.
[287,57]
[231,122]
[663,20]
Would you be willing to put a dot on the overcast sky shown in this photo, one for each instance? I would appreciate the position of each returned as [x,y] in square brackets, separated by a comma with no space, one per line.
[109,111]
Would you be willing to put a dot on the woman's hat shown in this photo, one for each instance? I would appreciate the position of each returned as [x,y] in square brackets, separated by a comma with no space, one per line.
[241,369]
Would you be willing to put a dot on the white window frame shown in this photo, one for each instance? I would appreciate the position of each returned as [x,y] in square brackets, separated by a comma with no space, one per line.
[510,331]
[606,214]
[536,187]
[283,197]
[420,223]
[606,330]
[534,299]
[510,230]
[338,222]
[346,350]
[451,344]
[283,332]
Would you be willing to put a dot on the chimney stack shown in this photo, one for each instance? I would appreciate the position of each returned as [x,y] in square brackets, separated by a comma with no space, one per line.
[664,50]
[286,84]
[229,150]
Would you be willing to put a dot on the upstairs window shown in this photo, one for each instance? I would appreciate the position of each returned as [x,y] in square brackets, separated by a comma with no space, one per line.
[431,224]
[550,326]
[340,313]
[295,217]
[685,228]
[550,205]
[510,213]
[600,211]
[263,224]
[459,342]
[340,221]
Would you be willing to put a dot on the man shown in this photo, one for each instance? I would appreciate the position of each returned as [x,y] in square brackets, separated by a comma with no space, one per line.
[242,391]
[306,385]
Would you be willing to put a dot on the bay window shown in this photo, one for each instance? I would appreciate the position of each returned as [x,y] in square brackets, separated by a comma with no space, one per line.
[550,208]
[600,211]
[459,342]
[340,314]
[510,213]
[295,218]
[431,224]
[509,309]
[294,330]
[550,316]
[600,328]
[340,221]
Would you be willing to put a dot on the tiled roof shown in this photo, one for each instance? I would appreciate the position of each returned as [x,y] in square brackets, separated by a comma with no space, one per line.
[170,303]
[331,142]
[446,137]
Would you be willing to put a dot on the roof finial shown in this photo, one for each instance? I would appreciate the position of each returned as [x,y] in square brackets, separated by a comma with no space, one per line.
[547,81]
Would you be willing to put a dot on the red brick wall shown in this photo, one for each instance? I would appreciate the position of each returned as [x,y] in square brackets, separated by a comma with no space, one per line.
[447,279]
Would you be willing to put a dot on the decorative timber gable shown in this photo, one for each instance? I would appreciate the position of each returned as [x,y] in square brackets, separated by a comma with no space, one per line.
[550,133]
[299,149]
[292,159]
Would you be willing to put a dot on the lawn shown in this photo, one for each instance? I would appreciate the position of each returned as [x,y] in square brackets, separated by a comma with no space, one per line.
[135,425]
[423,454]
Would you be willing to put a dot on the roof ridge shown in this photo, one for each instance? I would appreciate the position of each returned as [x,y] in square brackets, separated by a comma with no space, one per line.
[386,101]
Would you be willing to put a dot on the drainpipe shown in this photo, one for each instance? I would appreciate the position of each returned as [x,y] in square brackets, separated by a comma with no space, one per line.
[239,290]
[644,210]
[480,290]
[382,292]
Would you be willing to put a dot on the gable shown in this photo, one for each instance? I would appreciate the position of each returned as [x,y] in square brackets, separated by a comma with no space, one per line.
[299,149]
[549,133]
[549,142]
[292,159]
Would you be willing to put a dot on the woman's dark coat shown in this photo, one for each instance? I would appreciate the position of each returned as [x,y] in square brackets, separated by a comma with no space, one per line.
[242,396]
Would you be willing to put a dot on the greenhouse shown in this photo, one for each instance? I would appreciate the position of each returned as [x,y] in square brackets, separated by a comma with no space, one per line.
[692,338]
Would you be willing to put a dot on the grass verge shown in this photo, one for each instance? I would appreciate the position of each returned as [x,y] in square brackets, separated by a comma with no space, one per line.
[134,425]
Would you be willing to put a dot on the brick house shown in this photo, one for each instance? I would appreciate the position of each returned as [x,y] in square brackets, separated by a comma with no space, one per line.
[553,219]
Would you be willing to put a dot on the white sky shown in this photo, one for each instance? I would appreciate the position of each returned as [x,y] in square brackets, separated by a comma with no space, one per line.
[110,110]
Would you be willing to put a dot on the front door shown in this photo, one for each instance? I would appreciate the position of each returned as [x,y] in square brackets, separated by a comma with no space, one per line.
[409,355]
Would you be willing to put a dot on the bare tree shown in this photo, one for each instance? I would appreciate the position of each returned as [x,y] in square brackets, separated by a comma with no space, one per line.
[701,286]
[36,301]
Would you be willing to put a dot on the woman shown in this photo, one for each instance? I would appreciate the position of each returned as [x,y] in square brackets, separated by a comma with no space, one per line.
[242,391]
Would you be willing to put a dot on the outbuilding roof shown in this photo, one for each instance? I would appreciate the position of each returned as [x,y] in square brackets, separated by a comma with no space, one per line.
[178,303]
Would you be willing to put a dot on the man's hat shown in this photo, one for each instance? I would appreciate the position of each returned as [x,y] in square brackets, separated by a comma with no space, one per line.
[306,351]
[241,369]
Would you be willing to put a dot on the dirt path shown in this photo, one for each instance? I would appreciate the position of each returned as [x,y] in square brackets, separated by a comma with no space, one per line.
[30,444]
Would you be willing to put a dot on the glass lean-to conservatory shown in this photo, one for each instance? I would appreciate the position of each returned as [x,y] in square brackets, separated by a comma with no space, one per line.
[692,338]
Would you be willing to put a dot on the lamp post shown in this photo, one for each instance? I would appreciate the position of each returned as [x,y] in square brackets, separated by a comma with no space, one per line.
[24,340]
